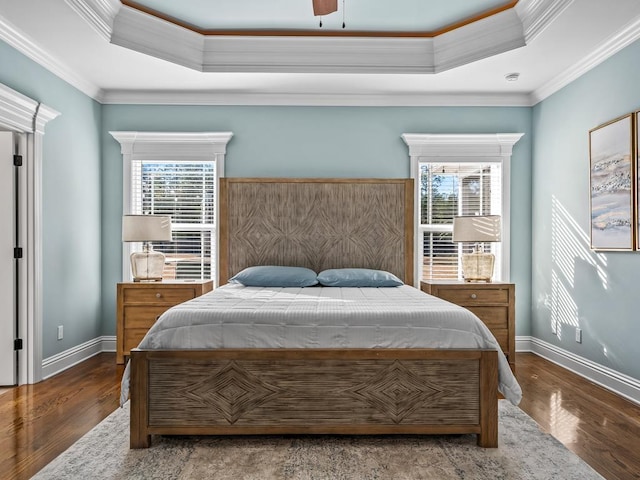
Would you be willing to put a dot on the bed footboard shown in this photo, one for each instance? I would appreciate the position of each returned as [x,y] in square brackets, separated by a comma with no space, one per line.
[313,391]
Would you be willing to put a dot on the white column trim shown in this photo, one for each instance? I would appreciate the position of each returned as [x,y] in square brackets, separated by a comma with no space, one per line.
[167,146]
[496,147]
[21,114]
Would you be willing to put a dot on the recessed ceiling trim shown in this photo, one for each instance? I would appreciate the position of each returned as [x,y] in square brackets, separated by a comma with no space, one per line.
[97,13]
[319,33]
[485,38]
[537,15]
[313,54]
[153,36]
[230,98]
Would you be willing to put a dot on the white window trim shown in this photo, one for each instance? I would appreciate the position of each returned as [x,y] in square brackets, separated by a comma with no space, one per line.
[185,146]
[480,148]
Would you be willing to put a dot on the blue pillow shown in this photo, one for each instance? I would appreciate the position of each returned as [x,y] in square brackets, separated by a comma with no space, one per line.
[275,276]
[358,277]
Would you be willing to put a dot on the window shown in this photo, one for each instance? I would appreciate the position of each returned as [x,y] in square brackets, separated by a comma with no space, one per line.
[458,175]
[186,192]
[448,189]
[175,174]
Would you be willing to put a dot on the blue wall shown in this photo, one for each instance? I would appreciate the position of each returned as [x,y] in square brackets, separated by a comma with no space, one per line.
[71,203]
[82,187]
[559,279]
[573,286]
[317,142]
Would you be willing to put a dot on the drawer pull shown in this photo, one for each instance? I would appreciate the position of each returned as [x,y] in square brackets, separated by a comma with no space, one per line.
[474,296]
[158,295]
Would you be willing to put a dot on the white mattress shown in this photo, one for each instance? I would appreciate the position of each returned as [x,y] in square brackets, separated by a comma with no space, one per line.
[235,316]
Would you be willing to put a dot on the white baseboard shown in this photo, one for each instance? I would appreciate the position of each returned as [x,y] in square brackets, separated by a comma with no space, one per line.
[619,383]
[75,355]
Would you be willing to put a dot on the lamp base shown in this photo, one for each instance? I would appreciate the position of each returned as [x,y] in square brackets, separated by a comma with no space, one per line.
[147,266]
[477,266]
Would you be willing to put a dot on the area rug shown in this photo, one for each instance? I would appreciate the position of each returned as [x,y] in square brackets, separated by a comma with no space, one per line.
[525,452]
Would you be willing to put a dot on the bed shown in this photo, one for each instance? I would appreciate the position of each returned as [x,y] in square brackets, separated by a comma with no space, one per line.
[341,379]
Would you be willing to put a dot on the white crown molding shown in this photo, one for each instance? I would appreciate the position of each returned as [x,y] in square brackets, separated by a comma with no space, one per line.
[445,99]
[28,47]
[485,38]
[479,145]
[99,14]
[537,15]
[318,54]
[153,36]
[625,37]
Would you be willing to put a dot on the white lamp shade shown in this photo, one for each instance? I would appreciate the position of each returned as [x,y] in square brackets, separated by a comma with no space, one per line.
[478,228]
[146,228]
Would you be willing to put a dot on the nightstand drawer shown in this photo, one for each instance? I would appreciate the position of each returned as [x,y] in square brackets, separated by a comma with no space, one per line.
[474,296]
[142,316]
[132,337]
[493,317]
[158,295]
[502,336]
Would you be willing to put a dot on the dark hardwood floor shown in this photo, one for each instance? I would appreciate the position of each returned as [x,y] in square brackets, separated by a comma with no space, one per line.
[38,422]
[600,427]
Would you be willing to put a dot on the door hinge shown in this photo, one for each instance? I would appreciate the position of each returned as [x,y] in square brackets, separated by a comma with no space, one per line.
[17,252]
[17,160]
[17,344]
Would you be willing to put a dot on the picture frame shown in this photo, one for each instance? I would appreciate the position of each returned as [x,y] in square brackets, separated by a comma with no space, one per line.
[636,158]
[612,184]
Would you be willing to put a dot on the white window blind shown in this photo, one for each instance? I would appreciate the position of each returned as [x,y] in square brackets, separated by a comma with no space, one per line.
[184,190]
[448,189]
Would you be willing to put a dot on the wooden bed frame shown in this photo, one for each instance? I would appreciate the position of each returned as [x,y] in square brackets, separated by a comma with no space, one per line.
[320,224]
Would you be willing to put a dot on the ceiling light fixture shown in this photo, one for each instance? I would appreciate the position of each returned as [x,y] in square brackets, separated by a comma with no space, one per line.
[512,77]
[325,7]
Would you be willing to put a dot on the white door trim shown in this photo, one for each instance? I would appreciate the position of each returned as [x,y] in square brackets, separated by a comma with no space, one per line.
[24,115]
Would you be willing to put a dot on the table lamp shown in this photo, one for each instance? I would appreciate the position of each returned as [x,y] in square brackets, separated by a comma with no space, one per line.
[147,265]
[478,265]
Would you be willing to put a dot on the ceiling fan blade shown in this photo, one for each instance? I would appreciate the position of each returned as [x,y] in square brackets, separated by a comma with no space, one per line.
[324,7]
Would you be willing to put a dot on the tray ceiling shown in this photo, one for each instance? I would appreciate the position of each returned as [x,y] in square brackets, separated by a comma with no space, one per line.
[549,42]
[359,15]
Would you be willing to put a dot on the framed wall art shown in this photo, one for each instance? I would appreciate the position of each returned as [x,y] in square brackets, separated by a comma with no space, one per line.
[636,128]
[612,182]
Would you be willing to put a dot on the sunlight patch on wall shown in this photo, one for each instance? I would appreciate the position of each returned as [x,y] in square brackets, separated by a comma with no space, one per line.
[563,308]
[569,244]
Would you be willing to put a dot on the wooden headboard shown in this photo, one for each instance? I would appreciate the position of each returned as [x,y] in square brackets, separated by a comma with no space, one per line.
[316,223]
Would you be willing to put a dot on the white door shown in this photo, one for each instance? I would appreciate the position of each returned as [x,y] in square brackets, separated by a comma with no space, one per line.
[7,262]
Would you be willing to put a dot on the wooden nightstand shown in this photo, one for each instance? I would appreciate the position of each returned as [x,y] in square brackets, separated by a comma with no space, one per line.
[140,304]
[494,303]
